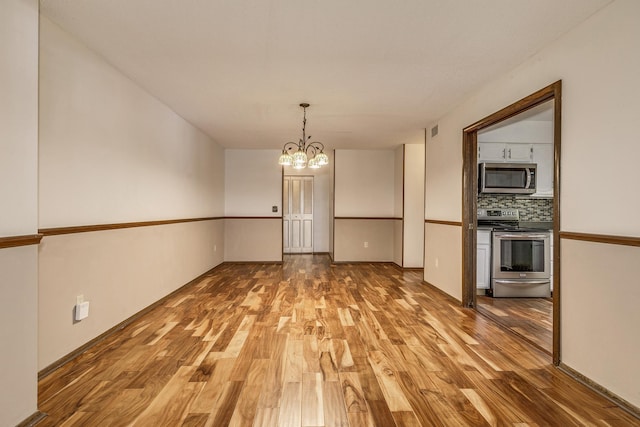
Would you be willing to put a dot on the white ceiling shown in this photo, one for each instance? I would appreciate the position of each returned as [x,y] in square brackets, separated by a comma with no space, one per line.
[375,72]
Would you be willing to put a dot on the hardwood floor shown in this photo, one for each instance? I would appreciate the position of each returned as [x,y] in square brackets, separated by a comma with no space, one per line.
[308,343]
[532,318]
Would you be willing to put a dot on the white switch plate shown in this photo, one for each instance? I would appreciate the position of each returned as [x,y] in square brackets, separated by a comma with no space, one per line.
[82,310]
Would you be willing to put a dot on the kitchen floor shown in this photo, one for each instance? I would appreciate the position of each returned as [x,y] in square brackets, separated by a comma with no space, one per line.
[532,318]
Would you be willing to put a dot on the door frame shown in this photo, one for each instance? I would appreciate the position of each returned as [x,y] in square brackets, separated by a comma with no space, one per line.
[469,200]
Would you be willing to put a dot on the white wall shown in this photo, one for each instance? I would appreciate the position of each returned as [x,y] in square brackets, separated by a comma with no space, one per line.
[598,64]
[413,206]
[19,213]
[112,153]
[253,183]
[365,183]
[18,117]
[109,151]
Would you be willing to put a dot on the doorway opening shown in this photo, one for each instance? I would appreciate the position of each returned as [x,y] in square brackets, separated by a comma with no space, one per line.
[297,214]
[472,243]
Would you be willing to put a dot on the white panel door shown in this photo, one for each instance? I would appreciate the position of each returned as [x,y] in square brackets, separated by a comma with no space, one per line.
[297,214]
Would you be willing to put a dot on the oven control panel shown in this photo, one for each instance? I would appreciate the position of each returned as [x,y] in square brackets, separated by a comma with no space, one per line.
[497,214]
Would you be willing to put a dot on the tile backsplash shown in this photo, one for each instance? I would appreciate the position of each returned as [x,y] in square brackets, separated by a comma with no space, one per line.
[531,208]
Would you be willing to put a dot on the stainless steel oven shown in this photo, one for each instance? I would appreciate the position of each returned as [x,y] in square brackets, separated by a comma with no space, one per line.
[521,263]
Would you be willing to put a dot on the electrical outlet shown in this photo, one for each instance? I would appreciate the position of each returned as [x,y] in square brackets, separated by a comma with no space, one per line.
[82,310]
[366,244]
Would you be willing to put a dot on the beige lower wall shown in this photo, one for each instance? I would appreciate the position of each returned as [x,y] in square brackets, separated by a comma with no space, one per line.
[600,317]
[119,272]
[350,235]
[398,246]
[443,258]
[253,239]
[18,333]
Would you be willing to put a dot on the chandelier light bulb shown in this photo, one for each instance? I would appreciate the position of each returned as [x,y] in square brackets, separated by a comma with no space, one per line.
[313,163]
[285,159]
[299,159]
[322,159]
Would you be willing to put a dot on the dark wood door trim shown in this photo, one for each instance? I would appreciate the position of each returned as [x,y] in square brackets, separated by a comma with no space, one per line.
[469,202]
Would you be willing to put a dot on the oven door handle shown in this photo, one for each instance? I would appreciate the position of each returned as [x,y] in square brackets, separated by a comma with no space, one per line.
[522,236]
[528,184]
[521,282]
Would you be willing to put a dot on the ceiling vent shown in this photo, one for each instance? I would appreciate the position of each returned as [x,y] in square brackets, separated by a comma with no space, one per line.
[434,131]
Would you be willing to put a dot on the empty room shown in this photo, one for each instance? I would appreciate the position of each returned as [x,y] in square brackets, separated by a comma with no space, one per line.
[319,213]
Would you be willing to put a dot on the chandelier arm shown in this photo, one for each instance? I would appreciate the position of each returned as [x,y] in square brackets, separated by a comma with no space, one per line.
[290,146]
[318,143]
[315,147]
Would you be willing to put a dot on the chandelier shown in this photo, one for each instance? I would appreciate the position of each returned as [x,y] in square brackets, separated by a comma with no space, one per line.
[300,155]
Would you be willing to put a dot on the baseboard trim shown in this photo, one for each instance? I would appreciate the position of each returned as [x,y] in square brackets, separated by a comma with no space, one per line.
[251,262]
[34,419]
[366,262]
[424,282]
[614,398]
[43,373]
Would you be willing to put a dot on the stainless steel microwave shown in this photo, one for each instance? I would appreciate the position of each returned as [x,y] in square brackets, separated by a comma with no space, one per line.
[510,178]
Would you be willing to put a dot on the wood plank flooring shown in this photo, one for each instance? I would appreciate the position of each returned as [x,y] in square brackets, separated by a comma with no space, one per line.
[308,343]
[532,318]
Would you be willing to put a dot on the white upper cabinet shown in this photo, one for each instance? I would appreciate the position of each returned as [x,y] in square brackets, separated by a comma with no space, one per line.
[524,138]
[543,157]
[505,152]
